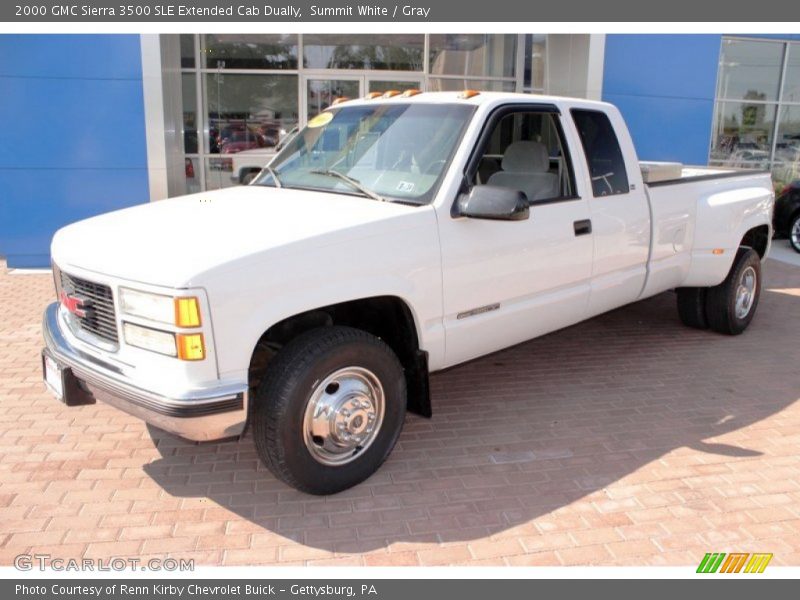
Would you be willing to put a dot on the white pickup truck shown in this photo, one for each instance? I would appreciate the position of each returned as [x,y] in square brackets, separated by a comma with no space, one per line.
[391,238]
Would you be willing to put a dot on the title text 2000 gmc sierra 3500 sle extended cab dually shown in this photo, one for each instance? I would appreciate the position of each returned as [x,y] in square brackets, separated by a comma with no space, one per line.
[392,237]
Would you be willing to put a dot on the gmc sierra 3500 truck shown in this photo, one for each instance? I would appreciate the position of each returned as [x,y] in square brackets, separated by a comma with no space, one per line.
[392,237]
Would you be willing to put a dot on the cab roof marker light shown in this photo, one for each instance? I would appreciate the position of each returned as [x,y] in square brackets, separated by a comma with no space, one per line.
[411,92]
[339,100]
[373,95]
[391,93]
[467,94]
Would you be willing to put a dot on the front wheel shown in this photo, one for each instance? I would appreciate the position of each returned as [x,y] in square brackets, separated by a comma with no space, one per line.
[794,232]
[330,409]
[731,305]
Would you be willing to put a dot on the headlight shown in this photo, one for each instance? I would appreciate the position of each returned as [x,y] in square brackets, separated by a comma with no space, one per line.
[148,306]
[146,338]
[183,312]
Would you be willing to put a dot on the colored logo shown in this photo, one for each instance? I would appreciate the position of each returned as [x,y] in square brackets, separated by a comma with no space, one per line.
[78,305]
[735,562]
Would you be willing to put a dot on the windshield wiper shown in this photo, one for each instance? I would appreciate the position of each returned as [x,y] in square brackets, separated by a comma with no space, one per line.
[275,178]
[353,182]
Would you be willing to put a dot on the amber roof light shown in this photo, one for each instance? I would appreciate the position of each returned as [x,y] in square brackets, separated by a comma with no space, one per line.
[467,94]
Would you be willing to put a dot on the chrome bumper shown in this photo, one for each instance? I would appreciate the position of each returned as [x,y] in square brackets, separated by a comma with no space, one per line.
[200,415]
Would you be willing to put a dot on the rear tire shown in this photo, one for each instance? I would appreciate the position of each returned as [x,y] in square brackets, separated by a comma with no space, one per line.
[692,307]
[794,232]
[731,305]
[329,409]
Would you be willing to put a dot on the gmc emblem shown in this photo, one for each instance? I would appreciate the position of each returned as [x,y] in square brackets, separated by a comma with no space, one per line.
[79,306]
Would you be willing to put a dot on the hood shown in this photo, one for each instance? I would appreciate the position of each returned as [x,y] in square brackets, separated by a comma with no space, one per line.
[171,242]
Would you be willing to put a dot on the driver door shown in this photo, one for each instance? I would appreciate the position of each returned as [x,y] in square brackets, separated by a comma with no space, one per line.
[508,281]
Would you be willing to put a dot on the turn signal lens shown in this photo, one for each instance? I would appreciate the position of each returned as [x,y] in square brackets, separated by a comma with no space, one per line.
[187,312]
[717,251]
[190,346]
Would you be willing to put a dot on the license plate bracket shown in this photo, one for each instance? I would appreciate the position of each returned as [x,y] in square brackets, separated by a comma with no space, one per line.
[62,383]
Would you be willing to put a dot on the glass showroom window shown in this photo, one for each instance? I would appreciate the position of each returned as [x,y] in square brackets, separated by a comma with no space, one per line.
[452,84]
[240,97]
[244,93]
[251,51]
[757,112]
[480,61]
[245,114]
[402,52]
[535,61]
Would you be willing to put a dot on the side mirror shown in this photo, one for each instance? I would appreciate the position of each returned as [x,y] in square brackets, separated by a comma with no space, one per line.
[492,202]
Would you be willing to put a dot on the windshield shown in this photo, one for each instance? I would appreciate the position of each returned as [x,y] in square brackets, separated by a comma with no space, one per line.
[392,151]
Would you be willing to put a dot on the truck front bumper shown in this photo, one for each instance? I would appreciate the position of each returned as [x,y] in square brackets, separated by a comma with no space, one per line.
[203,414]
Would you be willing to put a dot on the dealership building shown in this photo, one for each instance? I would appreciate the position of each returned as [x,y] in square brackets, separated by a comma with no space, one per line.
[101,122]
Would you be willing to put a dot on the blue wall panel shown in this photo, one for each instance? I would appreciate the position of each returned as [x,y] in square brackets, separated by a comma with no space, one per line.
[664,85]
[74,143]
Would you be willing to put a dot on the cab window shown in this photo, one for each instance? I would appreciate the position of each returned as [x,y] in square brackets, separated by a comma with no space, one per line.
[603,153]
[525,152]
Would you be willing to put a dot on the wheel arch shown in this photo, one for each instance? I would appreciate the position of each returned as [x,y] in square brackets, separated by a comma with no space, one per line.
[387,317]
[757,238]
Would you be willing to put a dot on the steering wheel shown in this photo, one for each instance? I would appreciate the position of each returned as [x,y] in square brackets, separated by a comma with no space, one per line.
[605,178]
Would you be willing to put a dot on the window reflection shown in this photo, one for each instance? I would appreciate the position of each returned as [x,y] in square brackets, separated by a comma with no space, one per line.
[473,55]
[762,129]
[743,134]
[787,146]
[749,70]
[189,94]
[246,112]
[251,51]
[456,85]
[402,52]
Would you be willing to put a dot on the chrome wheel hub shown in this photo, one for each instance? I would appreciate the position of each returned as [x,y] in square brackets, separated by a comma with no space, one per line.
[343,415]
[746,292]
[794,234]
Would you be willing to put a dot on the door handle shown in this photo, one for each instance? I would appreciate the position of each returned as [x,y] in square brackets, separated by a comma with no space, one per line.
[583,227]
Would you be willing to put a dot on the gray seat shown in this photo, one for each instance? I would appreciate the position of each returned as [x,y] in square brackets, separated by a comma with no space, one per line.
[526,167]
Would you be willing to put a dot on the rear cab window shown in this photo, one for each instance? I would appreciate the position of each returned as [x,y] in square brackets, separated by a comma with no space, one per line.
[602,151]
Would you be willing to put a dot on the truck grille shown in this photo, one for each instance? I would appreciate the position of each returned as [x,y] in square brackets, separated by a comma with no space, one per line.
[100,319]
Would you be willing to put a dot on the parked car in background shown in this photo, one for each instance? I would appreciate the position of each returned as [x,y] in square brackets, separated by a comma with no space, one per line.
[247,164]
[238,141]
[786,219]
[750,159]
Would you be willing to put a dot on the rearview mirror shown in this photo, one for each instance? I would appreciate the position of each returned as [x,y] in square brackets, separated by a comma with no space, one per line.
[493,202]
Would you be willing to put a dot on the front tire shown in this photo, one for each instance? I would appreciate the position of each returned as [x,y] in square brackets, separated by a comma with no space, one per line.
[731,305]
[794,232]
[329,409]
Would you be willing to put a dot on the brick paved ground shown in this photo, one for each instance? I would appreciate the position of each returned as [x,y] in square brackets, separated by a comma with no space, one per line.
[625,440]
